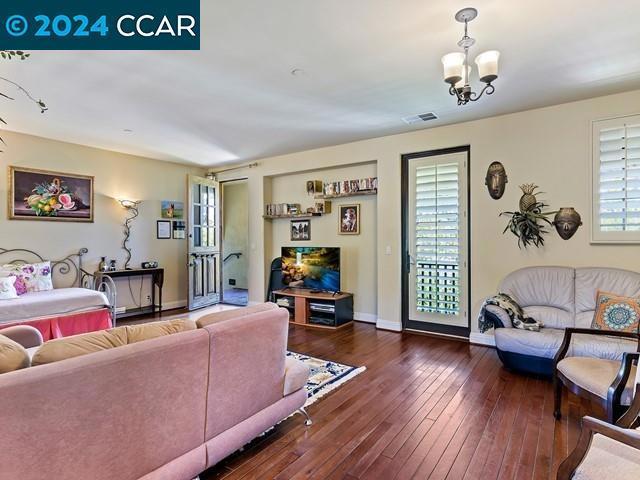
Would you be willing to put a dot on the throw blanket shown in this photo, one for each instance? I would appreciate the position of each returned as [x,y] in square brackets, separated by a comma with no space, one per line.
[511,307]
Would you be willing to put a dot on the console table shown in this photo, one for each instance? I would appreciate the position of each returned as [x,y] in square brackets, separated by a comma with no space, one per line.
[157,281]
[316,309]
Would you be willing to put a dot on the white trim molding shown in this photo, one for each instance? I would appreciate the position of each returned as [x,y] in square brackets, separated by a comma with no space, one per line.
[482,339]
[365,317]
[388,325]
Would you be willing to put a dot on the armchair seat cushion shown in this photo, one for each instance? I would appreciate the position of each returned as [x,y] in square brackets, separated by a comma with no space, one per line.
[296,375]
[596,375]
[608,458]
[546,343]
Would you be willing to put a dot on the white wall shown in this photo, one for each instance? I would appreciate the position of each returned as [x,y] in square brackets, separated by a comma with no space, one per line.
[116,176]
[235,226]
[549,146]
[358,269]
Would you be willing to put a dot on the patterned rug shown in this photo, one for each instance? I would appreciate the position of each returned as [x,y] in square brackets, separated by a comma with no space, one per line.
[325,376]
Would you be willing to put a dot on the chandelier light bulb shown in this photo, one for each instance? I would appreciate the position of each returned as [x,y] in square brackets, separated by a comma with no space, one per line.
[488,65]
[453,64]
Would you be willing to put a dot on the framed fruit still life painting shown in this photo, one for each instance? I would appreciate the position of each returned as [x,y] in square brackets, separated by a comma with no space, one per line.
[45,195]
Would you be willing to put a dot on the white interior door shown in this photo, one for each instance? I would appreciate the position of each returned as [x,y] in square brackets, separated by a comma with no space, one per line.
[204,242]
[437,243]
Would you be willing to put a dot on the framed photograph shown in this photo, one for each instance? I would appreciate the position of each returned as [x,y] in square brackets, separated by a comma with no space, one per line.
[46,195]
[300,230]
[179,230]
[172,209]
[349,219]
[163,229]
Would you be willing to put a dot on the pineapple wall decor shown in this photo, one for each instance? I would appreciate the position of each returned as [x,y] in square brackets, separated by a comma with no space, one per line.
[528,224]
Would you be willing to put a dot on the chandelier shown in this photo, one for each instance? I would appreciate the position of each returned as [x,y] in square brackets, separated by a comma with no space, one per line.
[457,69]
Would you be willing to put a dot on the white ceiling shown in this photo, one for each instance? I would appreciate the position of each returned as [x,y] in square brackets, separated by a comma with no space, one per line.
[367,62]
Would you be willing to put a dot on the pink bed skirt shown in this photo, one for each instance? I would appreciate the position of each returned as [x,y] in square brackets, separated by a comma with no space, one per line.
[70,324]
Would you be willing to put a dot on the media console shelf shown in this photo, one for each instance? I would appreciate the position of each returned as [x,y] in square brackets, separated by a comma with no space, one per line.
[317,310]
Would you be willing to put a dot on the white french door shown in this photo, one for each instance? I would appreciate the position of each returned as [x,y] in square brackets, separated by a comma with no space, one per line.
[204,242]
[436,239]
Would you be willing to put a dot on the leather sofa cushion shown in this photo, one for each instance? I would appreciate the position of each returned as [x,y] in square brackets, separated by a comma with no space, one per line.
[13,356]
[234,313]
[76,345]
[296,375]
[590,280]
[546,342]
[596,376]
[542,286]
[551,317]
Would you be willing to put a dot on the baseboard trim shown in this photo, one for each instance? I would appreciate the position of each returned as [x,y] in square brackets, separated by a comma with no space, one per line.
[482,339]
[388,325]
[173,305]
[365,317]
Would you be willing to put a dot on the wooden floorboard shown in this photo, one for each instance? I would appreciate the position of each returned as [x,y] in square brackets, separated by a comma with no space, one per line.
[426,408]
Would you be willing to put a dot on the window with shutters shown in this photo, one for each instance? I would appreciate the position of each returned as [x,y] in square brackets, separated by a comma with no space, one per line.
[616,180]
[437,218]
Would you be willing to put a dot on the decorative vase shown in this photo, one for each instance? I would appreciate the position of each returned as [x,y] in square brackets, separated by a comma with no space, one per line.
[102,266]
[567,221]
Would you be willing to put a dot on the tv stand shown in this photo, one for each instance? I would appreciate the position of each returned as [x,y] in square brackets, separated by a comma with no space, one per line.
[310,308]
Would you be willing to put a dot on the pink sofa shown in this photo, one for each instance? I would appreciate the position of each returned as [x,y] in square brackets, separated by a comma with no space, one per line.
[166,408]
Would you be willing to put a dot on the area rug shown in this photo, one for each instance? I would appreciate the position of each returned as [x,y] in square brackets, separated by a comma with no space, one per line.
[325,375]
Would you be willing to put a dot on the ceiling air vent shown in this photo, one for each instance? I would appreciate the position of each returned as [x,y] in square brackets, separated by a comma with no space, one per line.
[421,117]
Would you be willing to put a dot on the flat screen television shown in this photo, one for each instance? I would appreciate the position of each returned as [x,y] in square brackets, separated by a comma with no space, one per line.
[315,268]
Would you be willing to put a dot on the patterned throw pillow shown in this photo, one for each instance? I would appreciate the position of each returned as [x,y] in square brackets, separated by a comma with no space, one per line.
[7,289]
[30,277]
[616,313]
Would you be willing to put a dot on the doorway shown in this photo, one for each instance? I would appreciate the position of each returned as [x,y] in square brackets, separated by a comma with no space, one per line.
[235,242]
[435,237]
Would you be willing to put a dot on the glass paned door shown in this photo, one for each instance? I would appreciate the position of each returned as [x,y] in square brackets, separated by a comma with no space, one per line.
[437,247]
[204,249]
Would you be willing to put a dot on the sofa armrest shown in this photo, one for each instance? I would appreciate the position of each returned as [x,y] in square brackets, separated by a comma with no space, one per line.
[498,316]
[591,426]
[25,335]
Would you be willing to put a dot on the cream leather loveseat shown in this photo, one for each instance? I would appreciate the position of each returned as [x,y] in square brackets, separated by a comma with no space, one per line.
[560,297]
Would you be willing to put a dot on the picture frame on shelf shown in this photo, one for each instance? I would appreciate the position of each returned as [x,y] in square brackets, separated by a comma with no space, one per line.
[163,229]
[300,230]
[349,219]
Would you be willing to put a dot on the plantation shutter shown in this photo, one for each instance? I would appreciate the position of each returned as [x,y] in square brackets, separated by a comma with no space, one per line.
[437,218]
[617,179]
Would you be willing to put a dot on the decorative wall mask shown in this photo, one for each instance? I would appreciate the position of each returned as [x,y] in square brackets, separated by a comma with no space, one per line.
[528,223]
[496,180]
[567,221]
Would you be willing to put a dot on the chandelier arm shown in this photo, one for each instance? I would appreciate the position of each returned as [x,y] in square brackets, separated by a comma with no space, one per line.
[488,88]
[454,92]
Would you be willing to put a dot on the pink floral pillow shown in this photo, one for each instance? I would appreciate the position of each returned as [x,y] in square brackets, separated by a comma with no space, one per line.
[30,277]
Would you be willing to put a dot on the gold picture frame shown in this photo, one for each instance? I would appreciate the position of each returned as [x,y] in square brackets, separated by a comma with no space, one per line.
[349,219]
[46,195]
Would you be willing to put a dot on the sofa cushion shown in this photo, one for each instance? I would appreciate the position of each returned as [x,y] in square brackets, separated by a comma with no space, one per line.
[76,345]
[551,317]
[296,375]
[234,313]
[542,286]
[546,342]
[596,375]
[13,356]
[590,280]
[616,313]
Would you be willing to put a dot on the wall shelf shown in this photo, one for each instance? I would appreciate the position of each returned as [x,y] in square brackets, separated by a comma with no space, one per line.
[345,195]
[299,215]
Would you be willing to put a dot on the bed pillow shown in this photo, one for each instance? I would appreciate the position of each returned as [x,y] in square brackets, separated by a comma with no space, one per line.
[7,288]
[31,277]
[616,313]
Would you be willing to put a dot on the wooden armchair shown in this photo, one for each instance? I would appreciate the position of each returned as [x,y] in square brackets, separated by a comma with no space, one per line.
[608,383]
[607,451]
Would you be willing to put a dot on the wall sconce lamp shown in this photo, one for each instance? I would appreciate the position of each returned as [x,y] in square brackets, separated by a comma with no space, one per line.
[132,211]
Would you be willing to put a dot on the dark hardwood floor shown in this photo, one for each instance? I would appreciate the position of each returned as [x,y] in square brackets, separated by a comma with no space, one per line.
[425,408]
